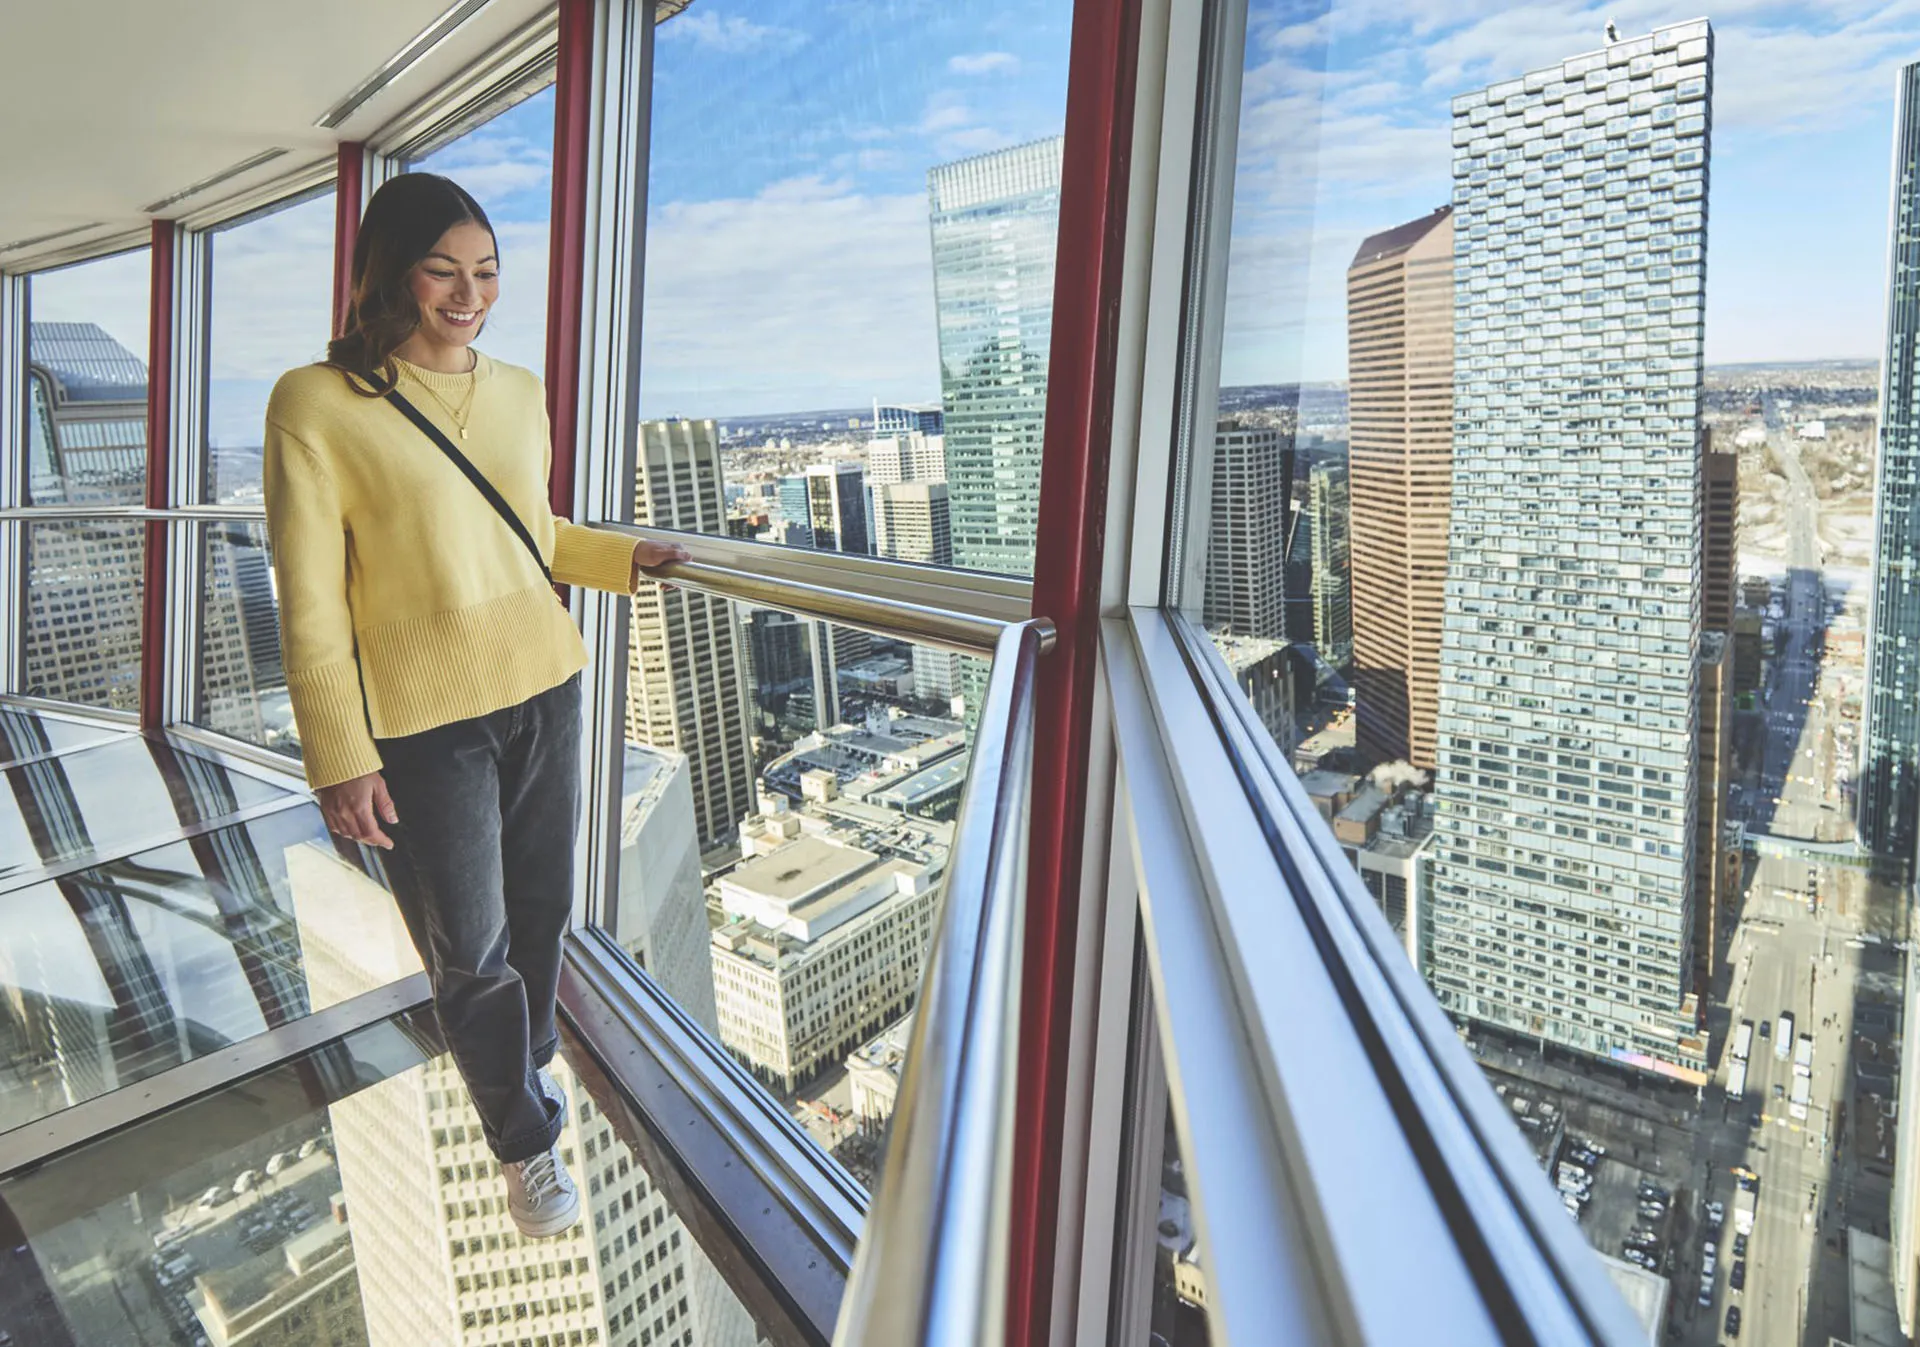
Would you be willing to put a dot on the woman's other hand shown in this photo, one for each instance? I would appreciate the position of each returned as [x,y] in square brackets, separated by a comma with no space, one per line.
[647,554]
[356,808]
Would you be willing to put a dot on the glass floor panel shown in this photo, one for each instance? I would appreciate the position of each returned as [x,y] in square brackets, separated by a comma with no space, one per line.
[31,733]
[110,798]
[345,1200]
[127,968]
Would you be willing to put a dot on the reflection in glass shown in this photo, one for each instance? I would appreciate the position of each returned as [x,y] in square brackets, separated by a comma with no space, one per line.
[106,799]
[28,734]
[506,164]
[85,581]
[346,1200]
[270,310]
[87,382]
[243,689]
[127,968]
[849,272]
[1179,1313]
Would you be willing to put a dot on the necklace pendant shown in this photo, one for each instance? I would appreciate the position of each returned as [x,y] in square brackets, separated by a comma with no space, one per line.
[463,432]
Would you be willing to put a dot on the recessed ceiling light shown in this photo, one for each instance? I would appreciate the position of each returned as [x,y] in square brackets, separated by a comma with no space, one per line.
[246,165]
[18,244]
[401,61]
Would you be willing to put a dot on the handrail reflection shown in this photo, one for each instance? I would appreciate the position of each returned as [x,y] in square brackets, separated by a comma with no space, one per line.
[932,1262]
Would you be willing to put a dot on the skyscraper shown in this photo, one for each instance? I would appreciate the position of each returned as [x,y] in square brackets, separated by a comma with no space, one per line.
[1331,583]
[1564,854]
[907,417]
[1400,465]
[87,435]
[994,220]
[1247,543]
[687,688]
[1719,533]
[791,494]
[911,522]
[1890,745]
[837,507]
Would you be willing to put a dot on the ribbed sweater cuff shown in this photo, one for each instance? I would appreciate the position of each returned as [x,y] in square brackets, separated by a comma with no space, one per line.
[596,558]
[335,745]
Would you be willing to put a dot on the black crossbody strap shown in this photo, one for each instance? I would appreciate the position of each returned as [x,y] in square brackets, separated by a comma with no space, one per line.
[474,475]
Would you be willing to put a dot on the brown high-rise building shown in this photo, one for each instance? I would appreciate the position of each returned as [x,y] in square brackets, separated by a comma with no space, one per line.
[1719,533]
[1400,452]
[1713,885]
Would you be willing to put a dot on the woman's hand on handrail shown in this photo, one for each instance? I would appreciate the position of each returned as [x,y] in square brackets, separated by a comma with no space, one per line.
[648,554]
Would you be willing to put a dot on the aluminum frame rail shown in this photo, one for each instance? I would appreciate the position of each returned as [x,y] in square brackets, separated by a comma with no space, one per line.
[932,1262]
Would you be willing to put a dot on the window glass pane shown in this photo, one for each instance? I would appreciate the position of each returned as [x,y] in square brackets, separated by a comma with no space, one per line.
[85,581]
[850,262]
[1570,538]
[87,384]
[347,1198]
[506,164]
[788,807]
[271,310]
[242,689]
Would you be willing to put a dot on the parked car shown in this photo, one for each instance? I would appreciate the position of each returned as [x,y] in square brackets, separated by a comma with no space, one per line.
[1739,1246]
[1737,1278]
[1733,1321]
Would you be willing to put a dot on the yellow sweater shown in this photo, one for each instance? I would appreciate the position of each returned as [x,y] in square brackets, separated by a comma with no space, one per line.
[396,576]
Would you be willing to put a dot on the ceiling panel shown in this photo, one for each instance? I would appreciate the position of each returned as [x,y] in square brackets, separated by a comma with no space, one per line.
[111,106]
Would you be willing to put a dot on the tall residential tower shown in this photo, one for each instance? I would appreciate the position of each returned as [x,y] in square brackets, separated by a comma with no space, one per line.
[1890,747]
[1564,857]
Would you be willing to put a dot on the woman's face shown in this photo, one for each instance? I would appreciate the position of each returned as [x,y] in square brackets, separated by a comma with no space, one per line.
[456,284]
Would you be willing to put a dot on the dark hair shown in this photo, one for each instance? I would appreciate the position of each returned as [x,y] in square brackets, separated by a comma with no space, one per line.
[405,218]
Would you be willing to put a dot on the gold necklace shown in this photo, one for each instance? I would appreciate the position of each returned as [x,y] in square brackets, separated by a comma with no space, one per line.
[459,418]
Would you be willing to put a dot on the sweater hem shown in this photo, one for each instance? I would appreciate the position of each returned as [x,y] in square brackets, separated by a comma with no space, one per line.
[429,671]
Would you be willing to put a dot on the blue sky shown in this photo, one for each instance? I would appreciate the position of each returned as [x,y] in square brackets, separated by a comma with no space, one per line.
[788,257]
[1345,131]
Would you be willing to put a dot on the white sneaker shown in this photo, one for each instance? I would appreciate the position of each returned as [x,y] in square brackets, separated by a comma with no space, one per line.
[551,1088]
[540,1195]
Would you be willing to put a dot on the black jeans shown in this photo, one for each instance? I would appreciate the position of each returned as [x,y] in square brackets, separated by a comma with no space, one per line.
[482,867]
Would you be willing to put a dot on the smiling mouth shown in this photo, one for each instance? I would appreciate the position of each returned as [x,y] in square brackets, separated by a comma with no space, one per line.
[459,317]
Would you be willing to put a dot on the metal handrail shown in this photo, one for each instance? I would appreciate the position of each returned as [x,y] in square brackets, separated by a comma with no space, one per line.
[957,630]
[46,514]
[932,1262]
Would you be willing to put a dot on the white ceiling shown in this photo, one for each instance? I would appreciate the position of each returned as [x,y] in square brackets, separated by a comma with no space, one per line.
[111,105]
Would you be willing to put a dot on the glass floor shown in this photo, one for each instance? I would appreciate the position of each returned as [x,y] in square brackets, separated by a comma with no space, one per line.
[345,1199]
[159,902]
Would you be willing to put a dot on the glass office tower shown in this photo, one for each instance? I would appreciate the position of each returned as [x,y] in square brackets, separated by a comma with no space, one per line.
[1563,881]
[1890,766]
[994,221]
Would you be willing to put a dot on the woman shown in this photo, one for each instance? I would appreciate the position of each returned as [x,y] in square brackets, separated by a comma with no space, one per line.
[434,675]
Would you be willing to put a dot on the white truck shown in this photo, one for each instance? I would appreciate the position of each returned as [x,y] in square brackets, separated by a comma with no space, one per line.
[1783,1037]
[1744,1198]
[1797,1100]
[1742,1040]
[1737,1080]
[1803,1056]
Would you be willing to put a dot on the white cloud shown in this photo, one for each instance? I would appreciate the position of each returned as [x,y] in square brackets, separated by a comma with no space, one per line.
[808,294]
[983,63]
[729,33]
[272,293]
